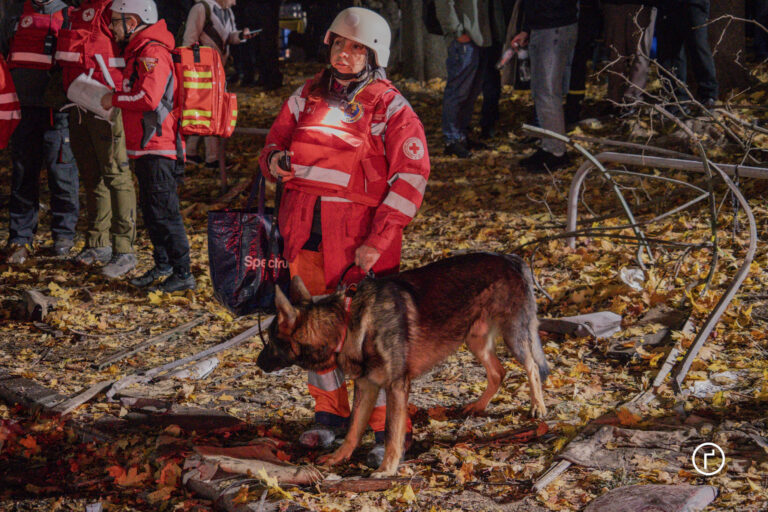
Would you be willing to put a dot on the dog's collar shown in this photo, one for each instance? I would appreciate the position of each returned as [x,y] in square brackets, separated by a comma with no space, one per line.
[347,306]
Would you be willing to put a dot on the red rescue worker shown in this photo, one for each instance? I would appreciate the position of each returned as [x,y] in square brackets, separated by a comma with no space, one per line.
[10,109]
[359,167]
[85,46]
[29,38]
[149,100]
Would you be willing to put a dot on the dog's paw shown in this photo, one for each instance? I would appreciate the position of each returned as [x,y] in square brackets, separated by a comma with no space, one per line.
[384,474]
[473,409]
[538,411]
[334,458]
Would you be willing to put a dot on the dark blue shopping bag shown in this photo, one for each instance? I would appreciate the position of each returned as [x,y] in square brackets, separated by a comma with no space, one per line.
[245,255]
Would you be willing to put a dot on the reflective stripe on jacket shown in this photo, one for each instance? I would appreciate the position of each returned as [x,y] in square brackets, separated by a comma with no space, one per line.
[10,109]
[28,46]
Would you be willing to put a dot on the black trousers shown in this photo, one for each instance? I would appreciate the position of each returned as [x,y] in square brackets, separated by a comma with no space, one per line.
[42,138]
[267,16]
[245,55]
[489,114]
[159,203]
[590,27]
[677,39]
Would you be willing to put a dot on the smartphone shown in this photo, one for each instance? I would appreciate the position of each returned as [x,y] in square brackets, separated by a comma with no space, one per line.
[251,34]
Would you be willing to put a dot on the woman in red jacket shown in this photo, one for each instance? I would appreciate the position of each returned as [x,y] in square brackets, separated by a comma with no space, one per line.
[358,170]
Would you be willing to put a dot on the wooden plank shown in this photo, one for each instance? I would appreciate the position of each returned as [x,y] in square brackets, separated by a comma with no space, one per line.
[67,406]
[237,340]
[150,342]
[27,392]
[149,375]
[551,475]
[370,484]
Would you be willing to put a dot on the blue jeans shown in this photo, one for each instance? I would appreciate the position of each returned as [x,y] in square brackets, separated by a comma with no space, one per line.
[551,51]
[462,87]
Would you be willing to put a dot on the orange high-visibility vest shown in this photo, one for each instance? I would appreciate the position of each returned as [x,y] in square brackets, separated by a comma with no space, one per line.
[10,109]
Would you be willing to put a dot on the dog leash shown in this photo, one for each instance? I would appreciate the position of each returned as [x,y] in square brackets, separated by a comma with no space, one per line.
[347,307]
[349,292]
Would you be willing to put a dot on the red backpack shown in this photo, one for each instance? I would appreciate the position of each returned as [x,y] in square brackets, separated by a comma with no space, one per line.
[10,110]
[207,109]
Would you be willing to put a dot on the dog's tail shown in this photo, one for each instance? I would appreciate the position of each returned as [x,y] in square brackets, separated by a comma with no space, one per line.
[530,312]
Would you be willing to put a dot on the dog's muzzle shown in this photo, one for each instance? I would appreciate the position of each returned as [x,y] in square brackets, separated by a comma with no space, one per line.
[271,359]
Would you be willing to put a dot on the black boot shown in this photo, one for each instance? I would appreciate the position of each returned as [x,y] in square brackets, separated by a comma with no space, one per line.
[150,276]
[177,282]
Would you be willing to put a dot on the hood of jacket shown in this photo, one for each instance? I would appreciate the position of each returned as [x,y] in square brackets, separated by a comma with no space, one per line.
[157,32]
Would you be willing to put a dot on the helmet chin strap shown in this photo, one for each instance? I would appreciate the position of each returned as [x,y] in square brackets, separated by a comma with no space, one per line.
[350,76]
[128,33]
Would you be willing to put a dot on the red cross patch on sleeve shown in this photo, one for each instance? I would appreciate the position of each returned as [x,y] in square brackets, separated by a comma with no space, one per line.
[413,148]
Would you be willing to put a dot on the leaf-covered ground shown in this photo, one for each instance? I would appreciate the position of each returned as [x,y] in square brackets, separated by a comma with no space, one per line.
[486,203]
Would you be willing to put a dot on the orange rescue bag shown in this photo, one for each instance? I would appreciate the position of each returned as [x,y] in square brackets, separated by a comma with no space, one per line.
[207,109]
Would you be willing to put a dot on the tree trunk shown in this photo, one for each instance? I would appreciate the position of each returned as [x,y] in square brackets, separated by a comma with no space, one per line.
[412,37]
[729,48]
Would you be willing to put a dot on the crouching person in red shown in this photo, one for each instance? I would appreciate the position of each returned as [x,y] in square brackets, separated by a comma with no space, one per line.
[358,173]
[149,101]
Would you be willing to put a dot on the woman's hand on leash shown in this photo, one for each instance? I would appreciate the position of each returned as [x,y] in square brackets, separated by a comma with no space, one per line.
[274,166]
[366,257]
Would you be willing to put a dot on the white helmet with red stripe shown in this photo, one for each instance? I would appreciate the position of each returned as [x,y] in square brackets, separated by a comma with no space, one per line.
[365,27]
[146,10]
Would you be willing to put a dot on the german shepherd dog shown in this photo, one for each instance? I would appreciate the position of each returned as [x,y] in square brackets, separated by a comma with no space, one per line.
[394,329]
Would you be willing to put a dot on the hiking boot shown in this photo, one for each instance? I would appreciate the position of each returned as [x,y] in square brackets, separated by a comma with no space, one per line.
[119,265]
[18,254]
[177,282]
[476,145]
[541,161]
[92,255]
[62,246]
[319,436]
[150,276]
[458,149]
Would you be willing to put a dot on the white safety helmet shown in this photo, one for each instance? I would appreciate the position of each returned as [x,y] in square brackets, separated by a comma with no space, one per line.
[365,27]
[146,10]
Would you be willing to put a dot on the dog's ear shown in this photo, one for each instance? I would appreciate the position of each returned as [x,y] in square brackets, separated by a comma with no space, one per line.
[286,313]
[299,292]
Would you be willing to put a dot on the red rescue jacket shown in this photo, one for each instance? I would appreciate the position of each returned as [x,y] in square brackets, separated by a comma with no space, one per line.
[28,44]
[149,97]
[366,161]
[86,35]
[10,110]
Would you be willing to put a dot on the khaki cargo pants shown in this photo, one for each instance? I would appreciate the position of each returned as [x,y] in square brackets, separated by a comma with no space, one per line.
[110,197]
